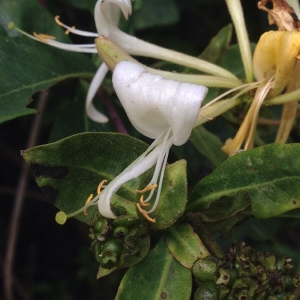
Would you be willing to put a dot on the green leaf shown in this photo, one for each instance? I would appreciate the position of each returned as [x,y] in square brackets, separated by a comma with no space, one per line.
[158,276]
[29,16]
[185,245]
[267,178]
[28,67]
[74,111]
[225,227]
[208,144]
[151,13]
[69,170]
[218,46]
[233,60]
[173,196]
[83,4]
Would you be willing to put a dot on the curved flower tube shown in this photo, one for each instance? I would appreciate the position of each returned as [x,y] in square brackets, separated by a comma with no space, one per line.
[162,109]
[165,110]
[107,14]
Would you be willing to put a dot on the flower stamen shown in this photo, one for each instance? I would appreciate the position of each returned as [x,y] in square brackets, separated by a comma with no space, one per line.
[58,22]
[61,217]
[69,30]
[142,202]
[88,200]
[43,37]
[145,213]
[147,188]
[100,186]
[73,29]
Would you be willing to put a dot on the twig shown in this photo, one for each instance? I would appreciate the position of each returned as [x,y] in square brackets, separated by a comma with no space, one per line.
[18,203]
[113,115]
[18,287]
[204,234]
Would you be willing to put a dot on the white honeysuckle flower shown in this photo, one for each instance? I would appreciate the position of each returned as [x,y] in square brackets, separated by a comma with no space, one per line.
[107,14]
[161,109]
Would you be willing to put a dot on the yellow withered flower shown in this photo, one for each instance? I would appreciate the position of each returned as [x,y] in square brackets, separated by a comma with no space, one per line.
[276,69]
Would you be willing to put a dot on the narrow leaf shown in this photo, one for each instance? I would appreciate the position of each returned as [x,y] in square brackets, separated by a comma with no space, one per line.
[218,45]
[208,145]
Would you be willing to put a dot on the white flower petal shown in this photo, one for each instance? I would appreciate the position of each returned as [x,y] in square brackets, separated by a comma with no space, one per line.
[91,111]
[154,104]
[107,15]
[138,167]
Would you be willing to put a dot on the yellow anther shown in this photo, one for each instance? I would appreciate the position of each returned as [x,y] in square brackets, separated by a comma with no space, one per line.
[143,203]
[56,18]
[68,30]
[145,214]
[147,188]
[43,37]
[100,186]
[58,22]
[88,200]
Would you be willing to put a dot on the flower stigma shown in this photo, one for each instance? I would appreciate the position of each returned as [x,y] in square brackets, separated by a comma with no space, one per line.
[61,217]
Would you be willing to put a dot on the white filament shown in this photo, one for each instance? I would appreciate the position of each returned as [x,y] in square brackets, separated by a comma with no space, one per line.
[165,110]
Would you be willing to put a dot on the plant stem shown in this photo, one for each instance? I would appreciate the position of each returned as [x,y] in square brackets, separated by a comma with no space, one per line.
[204,234]
[18,204]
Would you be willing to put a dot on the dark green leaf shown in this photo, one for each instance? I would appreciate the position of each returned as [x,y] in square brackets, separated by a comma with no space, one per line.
[218,46]
[233,61]
[74,111]
[70,170]
[208,144]
[173,196]
[152,13]
[225,226]
[83,4]
[185,245]
[28,66]
[29,16]
[267,178]
[158,276]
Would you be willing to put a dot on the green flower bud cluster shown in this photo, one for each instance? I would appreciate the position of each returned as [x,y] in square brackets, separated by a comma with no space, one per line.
[115,240]
[244,274]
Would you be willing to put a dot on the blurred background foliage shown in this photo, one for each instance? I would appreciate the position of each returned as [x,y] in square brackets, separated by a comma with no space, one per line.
[54,262]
